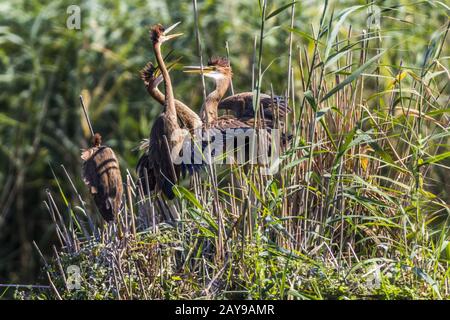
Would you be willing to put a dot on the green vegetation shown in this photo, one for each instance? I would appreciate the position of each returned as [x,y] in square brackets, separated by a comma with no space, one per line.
[359,208]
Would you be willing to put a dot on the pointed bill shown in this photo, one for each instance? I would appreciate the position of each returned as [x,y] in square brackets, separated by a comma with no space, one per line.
[172,36]
[167,31]
[197,69]
[168,36]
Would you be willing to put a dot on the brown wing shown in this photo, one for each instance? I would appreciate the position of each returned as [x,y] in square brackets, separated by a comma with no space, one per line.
[224,123]
[145,167]
[227,122]
[157,162]
[101,173]
[89,171]
[242,105]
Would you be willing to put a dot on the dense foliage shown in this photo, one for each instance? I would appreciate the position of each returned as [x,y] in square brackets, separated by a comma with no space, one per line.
[363,190]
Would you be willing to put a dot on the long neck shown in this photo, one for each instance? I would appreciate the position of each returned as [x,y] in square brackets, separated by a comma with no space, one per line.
[186,114]
[169,97]
[155,93]
[209,110]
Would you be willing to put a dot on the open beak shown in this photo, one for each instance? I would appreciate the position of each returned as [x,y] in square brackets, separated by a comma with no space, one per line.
[168,36]
[198,69]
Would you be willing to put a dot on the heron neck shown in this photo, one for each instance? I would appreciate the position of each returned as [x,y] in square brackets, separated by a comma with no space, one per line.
[155,93]
[209,111]
[169,97]
[186,114]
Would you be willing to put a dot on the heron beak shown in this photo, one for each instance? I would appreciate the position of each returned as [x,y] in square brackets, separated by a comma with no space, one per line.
[198,69]
[172,36]
[171,27]
[167,31]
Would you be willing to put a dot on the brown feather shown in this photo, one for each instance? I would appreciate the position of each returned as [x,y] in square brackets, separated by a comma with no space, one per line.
[242,103]
[101,173]
[242,106]
[219,61]
[157,162]
[226,122]
[166,136]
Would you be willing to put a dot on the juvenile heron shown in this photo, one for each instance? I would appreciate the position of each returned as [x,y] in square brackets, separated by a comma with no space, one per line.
[241,104]
[101,173]
[166,135]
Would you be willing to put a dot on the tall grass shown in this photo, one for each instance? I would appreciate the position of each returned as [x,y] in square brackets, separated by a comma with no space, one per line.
[359,208]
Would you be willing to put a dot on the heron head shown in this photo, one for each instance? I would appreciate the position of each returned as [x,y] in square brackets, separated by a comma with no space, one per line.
[150,75]
[159,34]
[218,68]
[97,140]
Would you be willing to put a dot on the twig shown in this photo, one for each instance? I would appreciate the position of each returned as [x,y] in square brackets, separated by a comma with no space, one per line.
[229,61]
[290,54]
[130,203]
[52,285]
[86,115]
[199,47]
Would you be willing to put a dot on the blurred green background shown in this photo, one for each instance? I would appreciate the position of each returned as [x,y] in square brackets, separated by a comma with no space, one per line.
[44,66]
